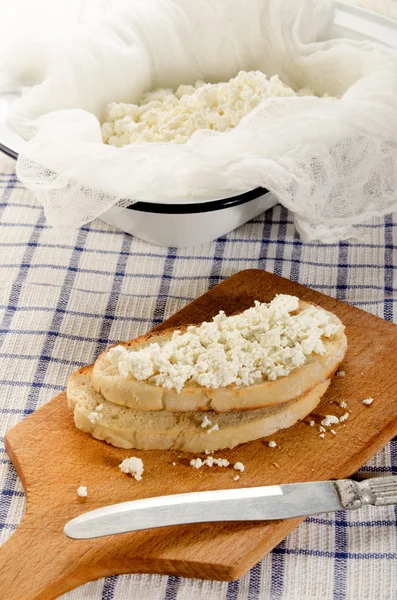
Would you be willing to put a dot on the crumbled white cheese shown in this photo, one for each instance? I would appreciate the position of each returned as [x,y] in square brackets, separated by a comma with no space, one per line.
[321,429]
[329,420]
[368,401]
[206,422]
[220,462]
[197,463]
[272,444]
[164,116]
[264,342]
[213,428]
[96,415]
[343,404]
[333,431]
[132,465]
[82,491]
[322,435]
[344,417]
[312,423]
[341,374]
[209,451]
[236,478]
[93,417]
[239,466]
[173,464]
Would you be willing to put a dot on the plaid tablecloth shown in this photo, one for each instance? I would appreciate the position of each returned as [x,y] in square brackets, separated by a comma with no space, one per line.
[63,301]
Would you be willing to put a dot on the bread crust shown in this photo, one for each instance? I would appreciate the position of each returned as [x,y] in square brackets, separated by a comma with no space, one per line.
[166,430]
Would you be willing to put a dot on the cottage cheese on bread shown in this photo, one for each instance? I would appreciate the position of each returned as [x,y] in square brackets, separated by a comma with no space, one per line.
[265,342]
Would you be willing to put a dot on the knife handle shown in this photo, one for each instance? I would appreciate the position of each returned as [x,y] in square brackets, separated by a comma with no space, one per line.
[378,491]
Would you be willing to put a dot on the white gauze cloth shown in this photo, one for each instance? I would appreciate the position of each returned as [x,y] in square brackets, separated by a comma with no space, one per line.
[333,162]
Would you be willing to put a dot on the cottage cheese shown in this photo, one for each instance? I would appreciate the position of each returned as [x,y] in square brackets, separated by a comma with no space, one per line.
[213,428]
[264,342]
[96,414]
[329,420]
[368,401]
[197,463]
[165,116]
[206,422]
[82,491]
[132,465]
[239,467]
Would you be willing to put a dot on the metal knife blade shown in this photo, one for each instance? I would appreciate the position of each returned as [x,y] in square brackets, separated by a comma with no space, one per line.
[243,504]
[246,504]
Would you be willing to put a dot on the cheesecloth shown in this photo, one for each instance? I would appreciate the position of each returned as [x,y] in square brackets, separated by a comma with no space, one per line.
[332,161]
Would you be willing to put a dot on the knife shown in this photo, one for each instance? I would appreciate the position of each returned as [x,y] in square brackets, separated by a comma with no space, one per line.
[243,504]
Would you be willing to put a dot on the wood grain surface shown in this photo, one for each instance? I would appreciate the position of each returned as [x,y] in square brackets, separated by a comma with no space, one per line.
[53,459]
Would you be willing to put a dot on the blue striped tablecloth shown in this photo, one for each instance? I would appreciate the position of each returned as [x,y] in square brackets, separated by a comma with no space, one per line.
[62,301]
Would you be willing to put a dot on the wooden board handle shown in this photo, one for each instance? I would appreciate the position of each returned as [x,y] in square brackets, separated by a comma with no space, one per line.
[33,568]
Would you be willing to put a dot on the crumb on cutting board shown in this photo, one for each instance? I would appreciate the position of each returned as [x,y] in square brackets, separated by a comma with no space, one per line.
[82,491]
[329,420]
[132,465]
[239,467]
[368,401]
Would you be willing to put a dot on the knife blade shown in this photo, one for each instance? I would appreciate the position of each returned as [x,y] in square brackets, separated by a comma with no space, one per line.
[242,504]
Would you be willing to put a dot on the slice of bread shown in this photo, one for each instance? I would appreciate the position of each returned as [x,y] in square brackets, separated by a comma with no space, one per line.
[144,395]
[165,430]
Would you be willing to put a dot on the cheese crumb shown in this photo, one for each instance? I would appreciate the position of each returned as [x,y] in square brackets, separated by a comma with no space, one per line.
[312,423]
[322,435]
[343,404]
[132,465]
[221,462]
[333,431]
[236,478]
[213,428]
[197,463]
[239,466]
[321,429]
[206,422]
[96,415]
[329,420]
[173,464]
[93,417]
[341,374]
[265,342]
[368,401]
[82,491]
[272,444]
[344,417]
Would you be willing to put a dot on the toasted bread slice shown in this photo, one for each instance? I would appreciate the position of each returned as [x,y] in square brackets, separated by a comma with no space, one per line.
[165,430]
[144,395]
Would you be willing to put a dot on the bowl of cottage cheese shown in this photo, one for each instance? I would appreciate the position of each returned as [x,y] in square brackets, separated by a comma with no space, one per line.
[174,116]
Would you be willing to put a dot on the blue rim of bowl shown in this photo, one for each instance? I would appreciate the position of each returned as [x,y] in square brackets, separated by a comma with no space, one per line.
[180,209]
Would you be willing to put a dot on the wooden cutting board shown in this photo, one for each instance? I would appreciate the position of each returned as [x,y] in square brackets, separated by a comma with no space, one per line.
[53,458]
